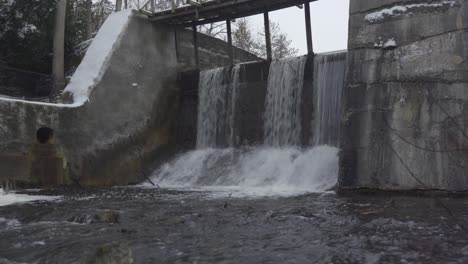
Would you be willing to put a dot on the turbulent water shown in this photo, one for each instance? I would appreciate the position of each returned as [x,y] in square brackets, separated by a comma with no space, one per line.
[283,102]
[253,171]
[330,80]
[281,166]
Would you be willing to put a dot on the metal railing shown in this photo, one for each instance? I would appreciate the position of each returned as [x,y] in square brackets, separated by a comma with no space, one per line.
[24,84]
[154,6]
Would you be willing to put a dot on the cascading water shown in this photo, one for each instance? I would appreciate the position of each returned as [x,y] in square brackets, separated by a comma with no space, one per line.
[330,79]
[283,102]
[216,110]
[279,167]
[211,109]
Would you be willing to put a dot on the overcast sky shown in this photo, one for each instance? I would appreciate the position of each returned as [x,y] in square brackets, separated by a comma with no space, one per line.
[329,25]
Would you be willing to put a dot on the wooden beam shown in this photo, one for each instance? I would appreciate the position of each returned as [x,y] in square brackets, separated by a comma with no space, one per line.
[229,38]
[310,46]
[214,11]
[195,45]
[266,19]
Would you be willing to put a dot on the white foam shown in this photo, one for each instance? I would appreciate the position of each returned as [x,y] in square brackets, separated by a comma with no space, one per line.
[14,198]
[261,171]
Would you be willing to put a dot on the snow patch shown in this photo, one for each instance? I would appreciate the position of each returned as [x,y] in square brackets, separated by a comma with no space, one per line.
[390,43]
[27,29]
[13,198]
[400,10]
[97,57]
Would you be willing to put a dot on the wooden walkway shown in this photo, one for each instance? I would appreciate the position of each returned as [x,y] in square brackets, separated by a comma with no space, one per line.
[205,12]
[221,10]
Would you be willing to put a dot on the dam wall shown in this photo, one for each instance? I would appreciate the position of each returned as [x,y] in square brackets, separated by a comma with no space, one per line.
[116,117]
[405,117]
[250,87]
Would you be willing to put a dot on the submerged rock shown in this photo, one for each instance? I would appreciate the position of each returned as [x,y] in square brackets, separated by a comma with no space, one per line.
[107,216]
[118,252]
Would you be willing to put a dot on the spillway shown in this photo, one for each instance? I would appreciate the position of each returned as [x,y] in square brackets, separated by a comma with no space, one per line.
[279,165]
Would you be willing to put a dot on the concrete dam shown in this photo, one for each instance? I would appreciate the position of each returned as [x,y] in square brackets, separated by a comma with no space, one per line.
[390,113]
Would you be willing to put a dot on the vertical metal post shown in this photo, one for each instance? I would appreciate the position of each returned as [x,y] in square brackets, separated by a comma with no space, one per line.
[152,6]
[195,44]
[310,47]
[229,37]
[176,42]
[267,35]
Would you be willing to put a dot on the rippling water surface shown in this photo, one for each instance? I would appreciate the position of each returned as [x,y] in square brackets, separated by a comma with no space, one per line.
[163,226]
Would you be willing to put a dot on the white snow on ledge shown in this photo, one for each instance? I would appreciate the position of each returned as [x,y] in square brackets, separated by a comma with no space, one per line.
[97,58]
[405,10]
[94,64]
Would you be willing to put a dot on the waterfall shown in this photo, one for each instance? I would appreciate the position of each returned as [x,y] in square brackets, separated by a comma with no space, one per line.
[330,80]
[218,90]
[283,102]
[211,107]
[235,85]
[282,166]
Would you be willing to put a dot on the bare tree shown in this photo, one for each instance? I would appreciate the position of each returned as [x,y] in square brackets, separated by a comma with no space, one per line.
[242,35]
[58,70]
[217,30]
[243,38]
[280,44]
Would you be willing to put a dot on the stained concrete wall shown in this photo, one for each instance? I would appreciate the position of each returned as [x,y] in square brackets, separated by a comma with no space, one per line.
[405,122]
[107,140]
[213,52]
[126,125]
[250,107]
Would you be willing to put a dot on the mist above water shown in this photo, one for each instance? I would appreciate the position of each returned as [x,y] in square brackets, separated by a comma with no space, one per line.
[253,171]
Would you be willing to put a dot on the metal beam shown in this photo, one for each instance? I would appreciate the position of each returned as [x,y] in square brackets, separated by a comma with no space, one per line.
[229,38]
[195,45]
[308,24]
[266,19]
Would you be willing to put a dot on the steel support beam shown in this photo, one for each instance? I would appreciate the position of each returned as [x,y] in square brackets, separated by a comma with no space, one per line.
[308,24]
[266,19]
[229,38]
[195,45]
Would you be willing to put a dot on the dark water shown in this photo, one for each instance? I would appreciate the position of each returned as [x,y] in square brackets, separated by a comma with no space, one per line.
[187,227]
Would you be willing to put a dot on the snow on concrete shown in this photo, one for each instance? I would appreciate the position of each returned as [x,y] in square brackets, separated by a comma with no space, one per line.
[14,198]
[97,58]
[405,10]
[94,64]
[391,43]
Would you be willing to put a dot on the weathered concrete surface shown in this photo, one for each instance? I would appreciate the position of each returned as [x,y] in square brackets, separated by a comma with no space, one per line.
[111,138]
[128,122]
[213,52]
[405,123]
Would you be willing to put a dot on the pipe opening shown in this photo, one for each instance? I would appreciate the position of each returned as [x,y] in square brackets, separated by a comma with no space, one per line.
[44,135]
